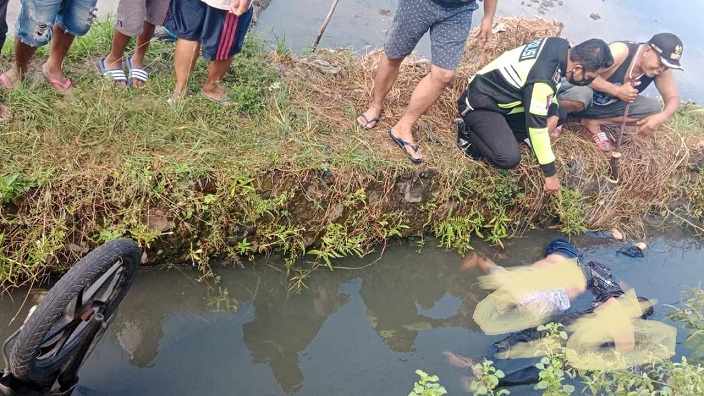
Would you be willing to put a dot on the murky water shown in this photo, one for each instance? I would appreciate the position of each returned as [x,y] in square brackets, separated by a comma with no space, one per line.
[352,332]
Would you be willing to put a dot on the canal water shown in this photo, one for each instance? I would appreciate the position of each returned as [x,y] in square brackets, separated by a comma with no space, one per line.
[350,332]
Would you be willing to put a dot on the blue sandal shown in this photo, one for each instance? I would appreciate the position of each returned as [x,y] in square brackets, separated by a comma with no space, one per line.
[116,75]
[402,144]
[135,73]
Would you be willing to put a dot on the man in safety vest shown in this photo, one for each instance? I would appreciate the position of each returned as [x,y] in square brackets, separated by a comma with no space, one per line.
[512,97]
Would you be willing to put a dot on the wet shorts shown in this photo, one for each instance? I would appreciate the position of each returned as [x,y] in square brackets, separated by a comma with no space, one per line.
[220,33]
[642,107]
[131,15]
[449,29]
[37,17]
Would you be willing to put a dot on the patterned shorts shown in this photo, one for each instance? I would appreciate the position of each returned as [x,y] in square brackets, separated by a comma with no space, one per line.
[449,29]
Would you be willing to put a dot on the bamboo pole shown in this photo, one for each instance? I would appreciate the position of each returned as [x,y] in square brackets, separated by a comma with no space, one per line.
[325,24]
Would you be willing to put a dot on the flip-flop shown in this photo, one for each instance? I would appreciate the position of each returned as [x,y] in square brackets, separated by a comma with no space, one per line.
[402,144]
[6,83]
[116,75]
[135,73]
[374,121]
[62,87]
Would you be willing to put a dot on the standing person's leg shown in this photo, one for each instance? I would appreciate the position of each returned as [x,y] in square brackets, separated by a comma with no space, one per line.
[75,19]
[34,29]
[412,20]
[156,14]
[130,20]
[185,19]
[448,37]
[223,38]
[3,22]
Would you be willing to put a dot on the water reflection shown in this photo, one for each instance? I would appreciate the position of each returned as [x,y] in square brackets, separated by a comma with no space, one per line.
[352,332]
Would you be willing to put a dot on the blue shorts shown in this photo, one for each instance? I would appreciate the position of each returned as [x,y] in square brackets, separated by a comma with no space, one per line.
[220,33]
[38,17]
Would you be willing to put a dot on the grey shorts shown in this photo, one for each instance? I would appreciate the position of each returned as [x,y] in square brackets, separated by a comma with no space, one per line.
[449,29]
[131,15]
[642,107]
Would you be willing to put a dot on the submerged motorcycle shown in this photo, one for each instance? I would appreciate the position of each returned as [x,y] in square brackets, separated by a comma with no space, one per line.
[44,355]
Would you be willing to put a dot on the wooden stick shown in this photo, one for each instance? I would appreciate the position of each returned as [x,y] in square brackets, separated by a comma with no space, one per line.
[325,24]
[616,154]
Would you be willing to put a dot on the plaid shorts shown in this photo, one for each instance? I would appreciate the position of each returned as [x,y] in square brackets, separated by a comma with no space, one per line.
[449,29]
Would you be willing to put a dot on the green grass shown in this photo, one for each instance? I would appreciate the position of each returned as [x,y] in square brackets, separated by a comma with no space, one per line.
[268,174]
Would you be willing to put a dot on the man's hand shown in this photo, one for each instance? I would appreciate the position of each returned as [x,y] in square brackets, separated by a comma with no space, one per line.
[648,125]
[234,6]
[627,93]
[485,30]
[552,126]
[552,184]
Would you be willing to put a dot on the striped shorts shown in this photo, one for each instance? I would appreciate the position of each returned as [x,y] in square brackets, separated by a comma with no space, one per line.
[220,33]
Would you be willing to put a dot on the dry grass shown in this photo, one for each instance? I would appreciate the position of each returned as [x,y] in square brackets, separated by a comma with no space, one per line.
[648,171]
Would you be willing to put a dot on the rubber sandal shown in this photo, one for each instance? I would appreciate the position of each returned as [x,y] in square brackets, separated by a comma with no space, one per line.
[603,142]
[115,75]
[366,123]
[62,87]
[135,73]
[402,144]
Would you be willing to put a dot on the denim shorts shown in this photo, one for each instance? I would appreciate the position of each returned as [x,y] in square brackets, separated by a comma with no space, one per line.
[37,18]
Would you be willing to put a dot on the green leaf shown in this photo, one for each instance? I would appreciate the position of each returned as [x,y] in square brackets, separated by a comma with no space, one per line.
[499,374]
[541,385]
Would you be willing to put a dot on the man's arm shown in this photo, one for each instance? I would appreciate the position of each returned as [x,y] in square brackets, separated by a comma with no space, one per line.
[665,83]
[537,98]
[485,29]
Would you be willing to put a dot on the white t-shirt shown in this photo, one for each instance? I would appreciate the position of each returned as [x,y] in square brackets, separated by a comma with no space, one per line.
[223,4]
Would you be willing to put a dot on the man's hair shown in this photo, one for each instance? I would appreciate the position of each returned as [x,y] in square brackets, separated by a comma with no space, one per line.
[593,54]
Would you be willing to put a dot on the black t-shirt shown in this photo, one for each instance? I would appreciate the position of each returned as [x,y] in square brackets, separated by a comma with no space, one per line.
[454,3]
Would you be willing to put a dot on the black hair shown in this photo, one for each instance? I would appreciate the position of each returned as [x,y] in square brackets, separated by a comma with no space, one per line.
[650,310]
[593,54]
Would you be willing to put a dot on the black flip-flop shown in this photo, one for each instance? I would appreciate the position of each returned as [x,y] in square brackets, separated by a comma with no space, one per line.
[402,144]
[368,121]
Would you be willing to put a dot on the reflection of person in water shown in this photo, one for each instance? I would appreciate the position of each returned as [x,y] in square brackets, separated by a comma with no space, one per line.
[285,325]
[394,294]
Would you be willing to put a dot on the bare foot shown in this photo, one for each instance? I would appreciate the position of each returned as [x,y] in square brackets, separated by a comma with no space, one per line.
[214,91]
[458,360]
[5,113]
[474,260]
[370,118]
[10,79]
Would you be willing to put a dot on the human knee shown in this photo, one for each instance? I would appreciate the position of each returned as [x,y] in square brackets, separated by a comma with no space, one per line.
[35,24]
[575,97]
[77,19]
[443,76]
[508,160]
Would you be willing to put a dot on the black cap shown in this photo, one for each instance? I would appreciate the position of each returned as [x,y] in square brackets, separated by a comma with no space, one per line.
[670,49]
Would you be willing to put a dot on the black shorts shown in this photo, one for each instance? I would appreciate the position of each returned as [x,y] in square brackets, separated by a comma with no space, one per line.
[220,33]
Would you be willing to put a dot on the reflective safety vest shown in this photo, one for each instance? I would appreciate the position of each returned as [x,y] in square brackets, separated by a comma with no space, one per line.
[524,80]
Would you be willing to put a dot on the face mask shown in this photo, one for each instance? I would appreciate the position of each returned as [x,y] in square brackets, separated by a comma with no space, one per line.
[580,83]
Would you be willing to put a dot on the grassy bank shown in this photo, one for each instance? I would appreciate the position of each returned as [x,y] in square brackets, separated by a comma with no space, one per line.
[285,171]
